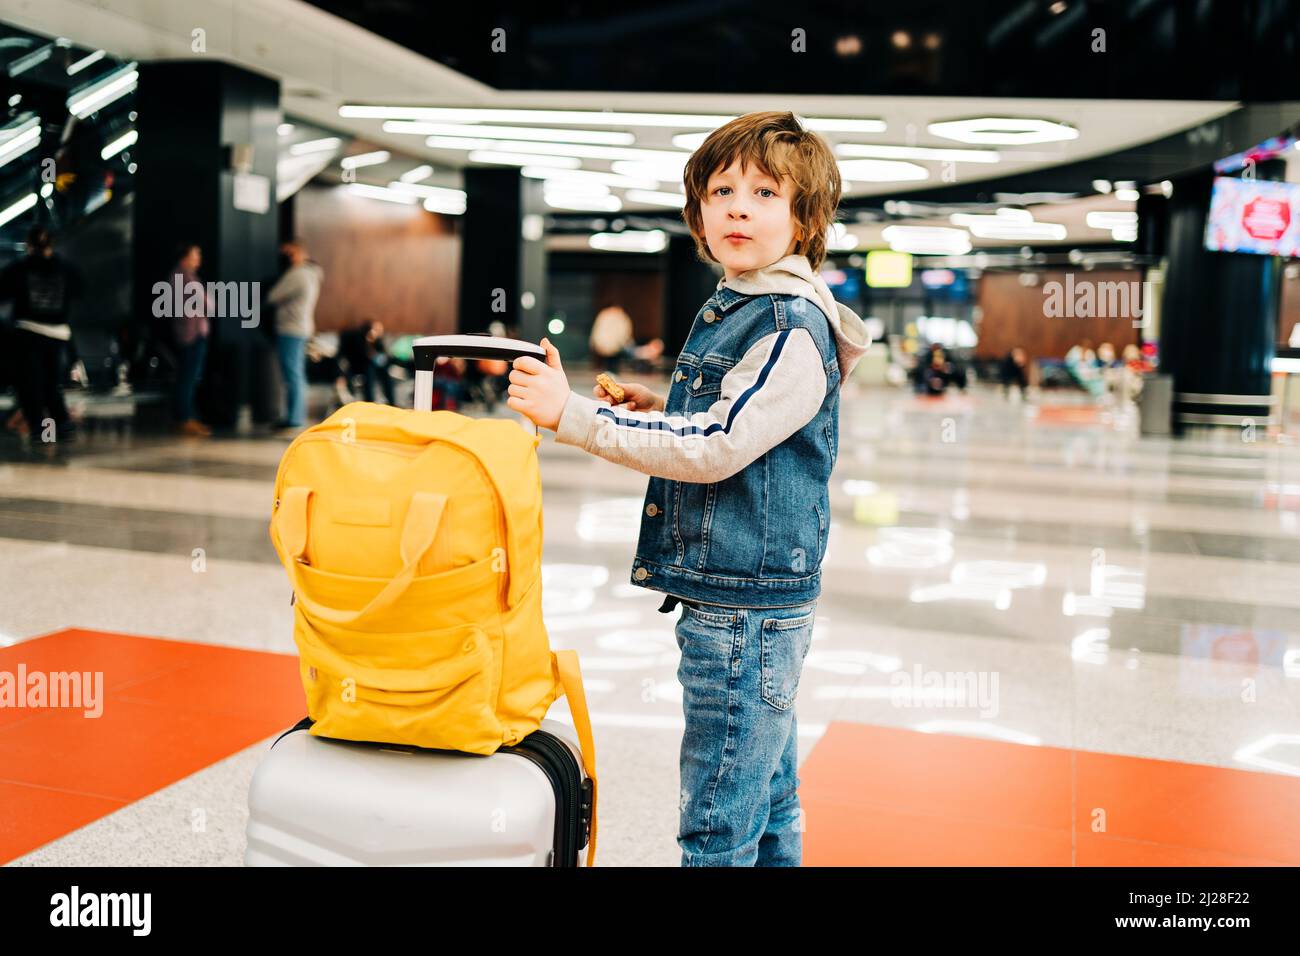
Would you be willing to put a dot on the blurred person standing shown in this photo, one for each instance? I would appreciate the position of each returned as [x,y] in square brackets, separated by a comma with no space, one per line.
[41,287]
[190,329]
[1014,371]
[294,297]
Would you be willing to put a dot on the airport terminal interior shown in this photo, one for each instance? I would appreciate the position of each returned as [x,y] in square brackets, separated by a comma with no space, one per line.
[1059,611]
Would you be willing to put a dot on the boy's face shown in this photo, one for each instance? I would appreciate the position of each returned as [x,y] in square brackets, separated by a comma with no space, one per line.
[752,205]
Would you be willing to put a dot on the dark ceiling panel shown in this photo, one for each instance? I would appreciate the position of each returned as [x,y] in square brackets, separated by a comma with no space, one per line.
[1153,49]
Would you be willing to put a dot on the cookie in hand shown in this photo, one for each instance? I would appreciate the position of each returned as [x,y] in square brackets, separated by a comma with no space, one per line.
[611,387]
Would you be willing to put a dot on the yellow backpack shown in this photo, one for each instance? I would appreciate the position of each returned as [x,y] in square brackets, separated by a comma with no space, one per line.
[413,541]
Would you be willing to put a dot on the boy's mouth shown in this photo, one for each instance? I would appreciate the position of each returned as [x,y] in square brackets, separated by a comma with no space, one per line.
[735,237]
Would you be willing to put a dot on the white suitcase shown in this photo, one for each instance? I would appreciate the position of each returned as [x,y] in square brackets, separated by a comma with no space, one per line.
[319,802]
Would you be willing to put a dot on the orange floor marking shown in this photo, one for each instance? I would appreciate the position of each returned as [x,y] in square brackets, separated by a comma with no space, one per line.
[1068,415]
[885,796]
[170,708]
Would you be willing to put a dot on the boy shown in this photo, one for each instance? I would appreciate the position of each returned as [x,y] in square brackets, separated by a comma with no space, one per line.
[740,453]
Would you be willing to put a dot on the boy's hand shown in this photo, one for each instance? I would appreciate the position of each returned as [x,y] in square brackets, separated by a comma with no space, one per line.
[638,397]
[537,391]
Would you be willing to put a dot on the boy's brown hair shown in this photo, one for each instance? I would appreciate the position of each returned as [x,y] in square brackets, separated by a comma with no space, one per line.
[781,147]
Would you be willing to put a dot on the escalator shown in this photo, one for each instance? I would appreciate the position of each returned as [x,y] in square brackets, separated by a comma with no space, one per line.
[67,123]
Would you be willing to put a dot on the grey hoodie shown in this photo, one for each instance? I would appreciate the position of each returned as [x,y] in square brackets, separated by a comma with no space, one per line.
[781,389]
[294,297]
[794,275]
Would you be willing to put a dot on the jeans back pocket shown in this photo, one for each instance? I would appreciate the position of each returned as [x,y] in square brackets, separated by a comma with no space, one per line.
[784,644]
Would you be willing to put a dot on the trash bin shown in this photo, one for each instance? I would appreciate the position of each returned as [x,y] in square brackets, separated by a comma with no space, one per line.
[1155,405]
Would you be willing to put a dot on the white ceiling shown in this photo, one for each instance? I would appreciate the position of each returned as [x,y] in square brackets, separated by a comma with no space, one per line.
[323,62]
[1104,126]
[1072,214]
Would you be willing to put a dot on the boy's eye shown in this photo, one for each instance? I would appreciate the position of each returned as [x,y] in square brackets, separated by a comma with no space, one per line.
[761,189]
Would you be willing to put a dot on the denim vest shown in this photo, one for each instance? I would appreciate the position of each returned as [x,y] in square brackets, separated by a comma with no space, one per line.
[755,539]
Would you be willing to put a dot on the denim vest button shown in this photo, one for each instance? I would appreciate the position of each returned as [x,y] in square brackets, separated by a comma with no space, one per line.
[641,574]
[709,315]
[680,375]
[699,380]
[652,509]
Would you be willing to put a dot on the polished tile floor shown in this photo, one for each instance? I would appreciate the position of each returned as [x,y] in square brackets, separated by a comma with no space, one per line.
[1098,614]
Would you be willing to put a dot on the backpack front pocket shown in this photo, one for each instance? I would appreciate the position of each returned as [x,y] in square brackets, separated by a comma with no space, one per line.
[433,689]
[475,590]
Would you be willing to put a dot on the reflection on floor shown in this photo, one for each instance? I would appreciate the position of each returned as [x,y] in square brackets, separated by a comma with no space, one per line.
[1040,638]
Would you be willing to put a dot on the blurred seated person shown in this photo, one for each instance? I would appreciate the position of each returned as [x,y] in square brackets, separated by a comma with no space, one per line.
[362,354]
[645,357]
[935,372]
[1014,370]
[1136,361]
[1111,370]
[611,339]
[486,381]
[1081,361]
[449,390]
[321,356]
[1136,366]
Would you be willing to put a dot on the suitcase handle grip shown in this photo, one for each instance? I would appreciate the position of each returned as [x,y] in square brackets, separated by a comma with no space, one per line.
[430,348]
[472,345]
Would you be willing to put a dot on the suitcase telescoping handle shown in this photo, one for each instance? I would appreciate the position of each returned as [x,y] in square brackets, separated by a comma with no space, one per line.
[430,348]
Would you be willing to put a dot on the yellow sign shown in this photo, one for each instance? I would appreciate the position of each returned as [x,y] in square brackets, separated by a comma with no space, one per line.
[889,270]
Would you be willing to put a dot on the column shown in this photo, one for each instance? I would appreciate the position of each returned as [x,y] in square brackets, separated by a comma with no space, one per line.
[208,148]
[1218,318]
[503,253]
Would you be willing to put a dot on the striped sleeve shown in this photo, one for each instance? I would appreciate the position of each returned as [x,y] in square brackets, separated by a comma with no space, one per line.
[773,391]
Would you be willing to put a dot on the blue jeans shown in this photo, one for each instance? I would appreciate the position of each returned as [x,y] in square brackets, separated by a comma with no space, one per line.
[187,377]
[293,367]
[739,673]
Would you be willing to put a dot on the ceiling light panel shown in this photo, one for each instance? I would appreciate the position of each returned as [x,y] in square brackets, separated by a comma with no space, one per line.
[1003,131]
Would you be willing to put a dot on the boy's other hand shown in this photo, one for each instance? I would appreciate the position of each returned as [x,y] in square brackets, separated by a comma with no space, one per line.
[638,397]
[537,391]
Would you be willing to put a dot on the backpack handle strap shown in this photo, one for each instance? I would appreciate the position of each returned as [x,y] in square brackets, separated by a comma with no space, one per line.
[289,526]
[477,443]
[570,679]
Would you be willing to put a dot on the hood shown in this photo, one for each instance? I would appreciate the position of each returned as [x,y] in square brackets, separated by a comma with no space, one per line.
[794,275]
